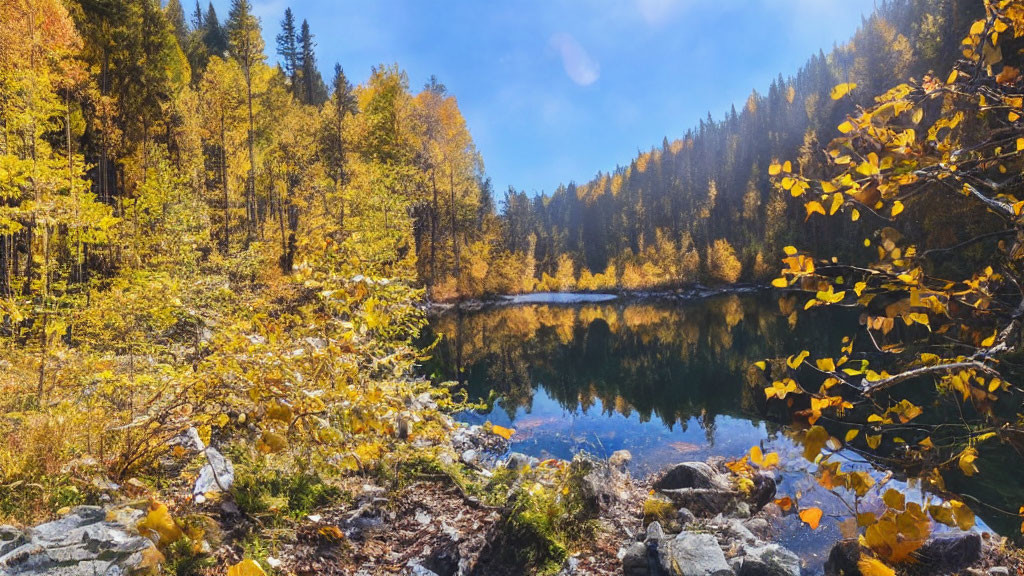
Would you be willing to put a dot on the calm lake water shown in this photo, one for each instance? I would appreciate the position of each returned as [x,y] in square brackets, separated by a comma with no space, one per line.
[666,380]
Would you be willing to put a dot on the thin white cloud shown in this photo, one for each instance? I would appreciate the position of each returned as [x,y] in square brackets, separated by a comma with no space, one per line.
[581,68]
[657,12]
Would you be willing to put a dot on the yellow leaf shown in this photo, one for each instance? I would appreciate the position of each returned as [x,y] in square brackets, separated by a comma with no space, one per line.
[158,520]
[837,202]
[794,362]
[894,499]
[780,283]
[897,207]
[966,461]
[787,166]
[927,443]
[811,517]
[246,567]
[813,207]
[505,433]
[271,442]
[774,169]
[874,440]
[952,77]
[846,127]
[842,89]
[852,434]
[789,250]
[814,441]
[874,567]
[826,364]
[1020,144]
[990,340]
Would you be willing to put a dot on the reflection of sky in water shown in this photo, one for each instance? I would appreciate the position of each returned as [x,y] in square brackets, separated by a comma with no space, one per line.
[547,430]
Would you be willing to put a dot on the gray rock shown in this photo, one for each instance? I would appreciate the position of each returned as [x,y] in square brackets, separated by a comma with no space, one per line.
[10,538]
[620,458]
[684,516]
[82,543]
[688,475]
[704,502]
[946,554]
[735,532]
[600,485]
[216,476]
[758,527]
[517,460]
[690,554]
[999,571]
[655,532]
[636,560]
[768,560]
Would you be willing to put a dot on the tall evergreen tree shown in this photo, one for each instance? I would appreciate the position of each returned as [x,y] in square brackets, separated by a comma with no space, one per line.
[313,89]
[213,33]
[175,15]
[287,46]
[245,42]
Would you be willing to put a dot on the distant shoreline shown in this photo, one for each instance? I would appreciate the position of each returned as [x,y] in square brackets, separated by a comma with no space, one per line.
[574,298]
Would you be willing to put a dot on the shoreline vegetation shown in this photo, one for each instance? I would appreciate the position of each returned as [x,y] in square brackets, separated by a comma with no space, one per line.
[213,270]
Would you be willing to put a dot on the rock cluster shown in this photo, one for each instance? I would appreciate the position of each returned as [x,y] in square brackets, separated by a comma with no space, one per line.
[709,530]
[82,543]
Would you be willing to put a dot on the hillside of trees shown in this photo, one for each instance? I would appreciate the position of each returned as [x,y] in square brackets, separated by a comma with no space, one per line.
[192,235]
[700,208]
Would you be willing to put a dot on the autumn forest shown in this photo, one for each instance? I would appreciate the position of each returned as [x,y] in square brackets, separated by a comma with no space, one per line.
[256,318]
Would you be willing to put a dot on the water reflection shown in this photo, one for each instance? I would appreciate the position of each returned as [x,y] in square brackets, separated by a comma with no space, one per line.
[665,380]
[672,362]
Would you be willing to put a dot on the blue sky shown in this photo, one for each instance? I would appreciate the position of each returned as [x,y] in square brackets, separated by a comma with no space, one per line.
[555,90]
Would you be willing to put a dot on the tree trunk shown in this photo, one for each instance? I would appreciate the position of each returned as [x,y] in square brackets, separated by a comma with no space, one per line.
[455,231]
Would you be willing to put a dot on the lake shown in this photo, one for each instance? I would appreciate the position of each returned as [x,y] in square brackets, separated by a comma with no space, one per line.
[664,379]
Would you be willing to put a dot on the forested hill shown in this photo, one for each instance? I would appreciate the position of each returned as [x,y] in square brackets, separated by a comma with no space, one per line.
[700,208]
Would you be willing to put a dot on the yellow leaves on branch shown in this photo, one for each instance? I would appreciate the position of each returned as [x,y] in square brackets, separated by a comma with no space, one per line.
[780,388]
[775,168]
[843,89]
[966,461]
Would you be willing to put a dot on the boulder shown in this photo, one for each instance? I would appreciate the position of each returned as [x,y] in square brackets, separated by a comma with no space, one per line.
[83,543]
[620,458]
[600,485]
[767,560]
[636,560]
[691,475]
[690,554]
[706,491]
[950,553]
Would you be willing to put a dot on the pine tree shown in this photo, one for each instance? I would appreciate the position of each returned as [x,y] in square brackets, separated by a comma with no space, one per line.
[213,33]
[287,46]
[246,46]
[175,15]
[313,89]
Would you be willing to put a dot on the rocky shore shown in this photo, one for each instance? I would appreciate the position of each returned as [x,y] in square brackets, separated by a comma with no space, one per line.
[693,519]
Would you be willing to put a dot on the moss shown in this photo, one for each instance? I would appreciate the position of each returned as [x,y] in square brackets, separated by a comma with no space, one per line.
[259,490]
[658,509]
